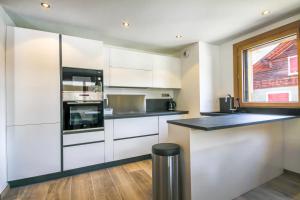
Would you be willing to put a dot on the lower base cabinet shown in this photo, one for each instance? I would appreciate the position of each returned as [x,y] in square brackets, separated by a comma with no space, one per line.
[33,150]
[127,148]
[83,155]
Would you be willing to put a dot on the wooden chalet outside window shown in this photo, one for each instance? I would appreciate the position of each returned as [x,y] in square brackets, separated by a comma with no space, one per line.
[266,68]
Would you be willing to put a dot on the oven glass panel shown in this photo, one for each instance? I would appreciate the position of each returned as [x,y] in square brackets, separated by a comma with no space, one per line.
[85,116]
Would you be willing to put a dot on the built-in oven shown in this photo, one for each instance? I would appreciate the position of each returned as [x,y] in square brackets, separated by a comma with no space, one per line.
[83,115]
[82,99]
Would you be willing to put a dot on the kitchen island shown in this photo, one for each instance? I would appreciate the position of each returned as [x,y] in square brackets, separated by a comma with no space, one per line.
[224,157]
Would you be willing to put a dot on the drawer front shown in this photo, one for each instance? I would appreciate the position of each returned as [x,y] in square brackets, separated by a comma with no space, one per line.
[83,155]
[129,148]
[132,127]
[79,138]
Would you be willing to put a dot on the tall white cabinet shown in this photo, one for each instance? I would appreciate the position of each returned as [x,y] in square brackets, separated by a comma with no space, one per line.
[33,103]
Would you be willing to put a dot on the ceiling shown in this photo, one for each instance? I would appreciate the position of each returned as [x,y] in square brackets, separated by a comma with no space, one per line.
[153,23]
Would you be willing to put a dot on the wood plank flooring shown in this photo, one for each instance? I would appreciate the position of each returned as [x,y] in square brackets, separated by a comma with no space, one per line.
[127,182]
[133,182]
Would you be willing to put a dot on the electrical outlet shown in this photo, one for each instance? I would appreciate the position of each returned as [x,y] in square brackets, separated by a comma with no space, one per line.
[165,95]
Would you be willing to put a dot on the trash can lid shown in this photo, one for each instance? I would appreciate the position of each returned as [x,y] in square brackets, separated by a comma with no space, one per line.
[166,149]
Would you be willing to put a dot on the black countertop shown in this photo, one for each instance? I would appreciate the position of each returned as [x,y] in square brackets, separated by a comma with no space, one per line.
[229,121]
[215,113]
[146,114]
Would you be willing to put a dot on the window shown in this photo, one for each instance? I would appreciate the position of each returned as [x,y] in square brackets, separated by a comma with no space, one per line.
[266,68]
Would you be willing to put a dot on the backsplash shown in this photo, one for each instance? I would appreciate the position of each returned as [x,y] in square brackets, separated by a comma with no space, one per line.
[150,93]
[153,105]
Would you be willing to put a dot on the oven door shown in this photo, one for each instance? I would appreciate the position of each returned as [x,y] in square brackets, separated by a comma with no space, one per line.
[83,115]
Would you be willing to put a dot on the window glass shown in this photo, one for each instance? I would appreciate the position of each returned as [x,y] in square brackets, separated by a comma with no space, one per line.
[270,72]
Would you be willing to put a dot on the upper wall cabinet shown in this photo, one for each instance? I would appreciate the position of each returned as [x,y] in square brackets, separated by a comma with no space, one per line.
[123,58]
[166,72]
[33,77]
[130,68]
[82,53]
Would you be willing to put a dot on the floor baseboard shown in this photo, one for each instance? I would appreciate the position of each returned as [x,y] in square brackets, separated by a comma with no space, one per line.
[48,177]
[291,172]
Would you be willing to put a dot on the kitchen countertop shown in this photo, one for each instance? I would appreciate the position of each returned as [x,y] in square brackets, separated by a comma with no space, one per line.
[215,113]
[229,121]
[146,114]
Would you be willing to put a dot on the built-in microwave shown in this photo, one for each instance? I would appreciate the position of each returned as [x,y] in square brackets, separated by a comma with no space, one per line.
[82,99]
[82,84]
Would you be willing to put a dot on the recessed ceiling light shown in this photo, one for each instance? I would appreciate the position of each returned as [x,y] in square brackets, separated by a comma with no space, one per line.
[125,24]
[265,12]
[45,5]
[179,36]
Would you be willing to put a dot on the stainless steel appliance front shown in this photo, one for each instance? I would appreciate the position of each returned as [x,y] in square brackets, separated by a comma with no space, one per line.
[82,99]
[82,84]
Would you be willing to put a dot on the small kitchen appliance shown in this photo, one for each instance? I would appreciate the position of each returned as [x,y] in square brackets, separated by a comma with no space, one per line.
[171,105]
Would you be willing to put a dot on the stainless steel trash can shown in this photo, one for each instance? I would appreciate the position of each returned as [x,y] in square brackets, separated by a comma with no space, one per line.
[165,172]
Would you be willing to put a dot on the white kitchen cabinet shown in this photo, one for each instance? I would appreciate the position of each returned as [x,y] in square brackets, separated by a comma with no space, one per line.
[83,155]
[33,77]
[33,150]
[106,66]
[128,68]
[132,127]
[82,53]
[109,140]
[163,126]
[128,148]
[124,58]
[166,72]
[79,138]
[122,77]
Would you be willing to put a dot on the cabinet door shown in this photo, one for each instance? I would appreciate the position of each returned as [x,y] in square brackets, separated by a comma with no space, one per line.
[82,53]
[122,77]
[33,77]
[109,140]
[132,127]
[129,148]
[33,150]
[125,58]
[83,155]
[106,66]
[166,72]
[163,126]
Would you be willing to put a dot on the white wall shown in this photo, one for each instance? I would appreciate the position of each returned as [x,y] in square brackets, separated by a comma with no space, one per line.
[3,160]
[209,58]
[188,98]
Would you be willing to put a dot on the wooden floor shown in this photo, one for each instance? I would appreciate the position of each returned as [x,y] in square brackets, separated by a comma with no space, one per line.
[133,182]
[128,182]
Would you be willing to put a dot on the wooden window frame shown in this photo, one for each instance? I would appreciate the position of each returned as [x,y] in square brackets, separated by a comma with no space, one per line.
[286,30]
